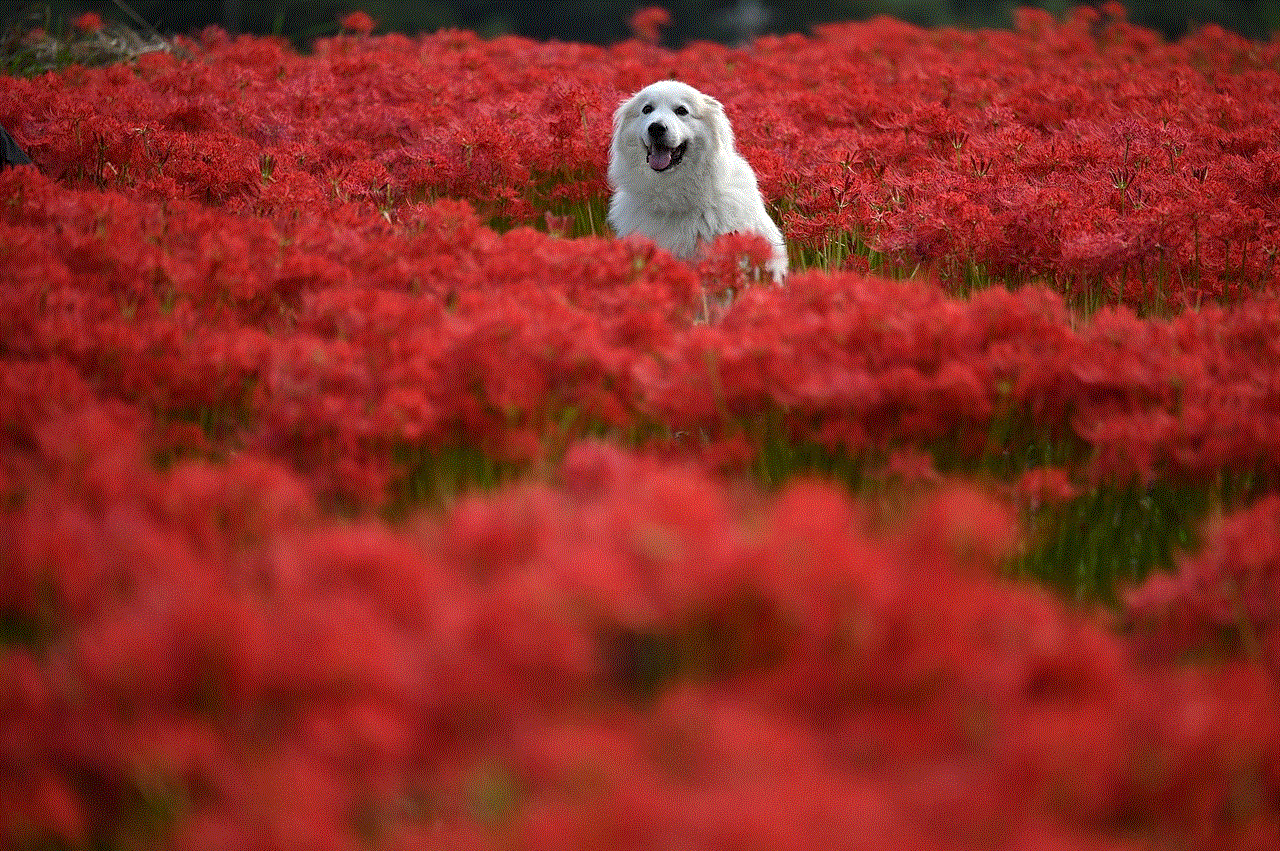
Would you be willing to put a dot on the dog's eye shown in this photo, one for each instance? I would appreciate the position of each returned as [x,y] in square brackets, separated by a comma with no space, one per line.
[680,110]
[648,108]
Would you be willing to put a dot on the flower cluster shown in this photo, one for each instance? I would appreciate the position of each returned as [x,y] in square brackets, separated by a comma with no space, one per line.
[1225,598]
[1086,153]
[334,343]
[265,316]
[617,658]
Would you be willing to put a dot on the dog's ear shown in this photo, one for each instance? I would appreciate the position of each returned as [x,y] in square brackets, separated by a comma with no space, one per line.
[617,166]
[713,114]
[620,114]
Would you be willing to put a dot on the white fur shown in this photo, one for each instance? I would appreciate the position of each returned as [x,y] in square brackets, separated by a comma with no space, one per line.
[711,191]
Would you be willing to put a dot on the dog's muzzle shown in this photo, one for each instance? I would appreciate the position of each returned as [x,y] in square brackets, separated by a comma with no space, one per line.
[661,156]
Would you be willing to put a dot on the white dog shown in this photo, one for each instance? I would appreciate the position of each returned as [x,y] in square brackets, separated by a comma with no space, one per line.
[677,177]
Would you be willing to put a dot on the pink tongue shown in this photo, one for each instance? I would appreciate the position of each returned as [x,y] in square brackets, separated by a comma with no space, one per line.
[660,158]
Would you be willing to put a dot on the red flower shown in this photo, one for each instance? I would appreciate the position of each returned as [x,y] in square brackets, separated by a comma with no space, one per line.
[357,22]
[89,22]
[1224,598]
[1045,486]
[646,23]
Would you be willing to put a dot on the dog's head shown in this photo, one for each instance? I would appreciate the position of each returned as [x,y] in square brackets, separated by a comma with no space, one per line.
[664,129]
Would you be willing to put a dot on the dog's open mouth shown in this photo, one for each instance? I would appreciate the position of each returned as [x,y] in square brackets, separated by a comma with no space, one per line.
[661,157]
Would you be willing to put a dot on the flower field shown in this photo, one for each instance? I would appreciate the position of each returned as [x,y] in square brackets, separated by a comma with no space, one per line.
[358,489]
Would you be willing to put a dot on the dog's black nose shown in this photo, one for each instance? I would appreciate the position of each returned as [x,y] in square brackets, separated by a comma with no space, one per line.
[657,130]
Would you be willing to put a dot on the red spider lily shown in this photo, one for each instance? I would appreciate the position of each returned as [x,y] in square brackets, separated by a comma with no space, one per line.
[293,252]
[646,23]
[733,262]
[209,626]
[1225,598]
[88,22]
[400,334]
[1045,486]
[357,22]
[1046,174]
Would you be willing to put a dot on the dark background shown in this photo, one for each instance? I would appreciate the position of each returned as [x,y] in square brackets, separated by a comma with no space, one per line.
[606,22]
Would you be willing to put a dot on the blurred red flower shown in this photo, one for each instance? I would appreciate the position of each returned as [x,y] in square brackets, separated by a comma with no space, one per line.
[647,23]
[358,22]
[88,22]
